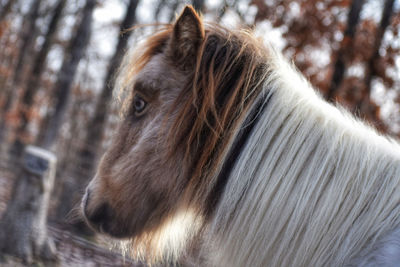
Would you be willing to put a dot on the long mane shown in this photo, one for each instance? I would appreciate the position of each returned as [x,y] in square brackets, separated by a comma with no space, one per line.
[312,187]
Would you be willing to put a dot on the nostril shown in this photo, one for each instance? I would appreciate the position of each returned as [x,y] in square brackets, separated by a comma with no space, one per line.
[100,216]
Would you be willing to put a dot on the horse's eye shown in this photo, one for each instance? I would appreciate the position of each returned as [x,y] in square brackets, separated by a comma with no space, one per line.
[139,104]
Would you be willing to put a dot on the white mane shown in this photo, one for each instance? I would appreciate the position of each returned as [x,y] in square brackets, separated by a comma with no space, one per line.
[312,187]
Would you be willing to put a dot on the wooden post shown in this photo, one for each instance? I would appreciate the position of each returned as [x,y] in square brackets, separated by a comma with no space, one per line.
[23,231]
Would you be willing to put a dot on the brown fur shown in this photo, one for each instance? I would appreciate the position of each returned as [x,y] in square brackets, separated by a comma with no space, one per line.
[198,84]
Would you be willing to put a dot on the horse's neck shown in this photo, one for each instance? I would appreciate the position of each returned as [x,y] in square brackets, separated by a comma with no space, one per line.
[312,185]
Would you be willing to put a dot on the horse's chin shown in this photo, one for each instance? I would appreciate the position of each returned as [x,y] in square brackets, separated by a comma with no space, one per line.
[116,233]
[111,229]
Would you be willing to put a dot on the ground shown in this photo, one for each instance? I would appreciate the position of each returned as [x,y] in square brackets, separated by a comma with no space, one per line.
[72,250]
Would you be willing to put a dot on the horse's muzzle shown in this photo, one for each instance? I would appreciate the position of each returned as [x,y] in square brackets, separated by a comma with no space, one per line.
[98,217]
[101,217]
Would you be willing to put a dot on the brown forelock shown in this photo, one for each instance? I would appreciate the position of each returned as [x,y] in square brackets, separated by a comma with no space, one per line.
[229,72]
[135,63]
[152,46]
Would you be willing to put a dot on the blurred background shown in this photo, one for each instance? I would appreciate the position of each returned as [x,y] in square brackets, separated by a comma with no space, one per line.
[58,59]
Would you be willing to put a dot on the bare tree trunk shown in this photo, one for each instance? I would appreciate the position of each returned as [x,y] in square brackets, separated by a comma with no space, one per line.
[5,10]
[66,75]
[370,71]
[172,14]
[6,55]
[65,78]
[23,228]
[95,127]
[160,6]
[8,100]
[7,62]
[198,5]
[222,10]
[33,83]
[339,67]
[28,40]
[74,122]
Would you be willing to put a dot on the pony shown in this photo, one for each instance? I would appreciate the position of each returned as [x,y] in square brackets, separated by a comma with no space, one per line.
[226,156]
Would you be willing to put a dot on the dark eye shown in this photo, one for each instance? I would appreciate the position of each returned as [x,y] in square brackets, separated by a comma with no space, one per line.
[139,105]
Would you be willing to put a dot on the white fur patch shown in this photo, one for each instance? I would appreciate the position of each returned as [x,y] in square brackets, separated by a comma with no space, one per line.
[170,241]
[312,187]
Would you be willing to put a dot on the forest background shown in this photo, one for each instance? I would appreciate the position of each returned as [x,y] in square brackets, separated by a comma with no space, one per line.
[58,60]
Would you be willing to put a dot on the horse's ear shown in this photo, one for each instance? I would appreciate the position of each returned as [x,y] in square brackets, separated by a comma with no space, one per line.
[186,39]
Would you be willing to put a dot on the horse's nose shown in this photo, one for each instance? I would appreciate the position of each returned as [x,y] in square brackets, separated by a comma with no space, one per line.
[99,216]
